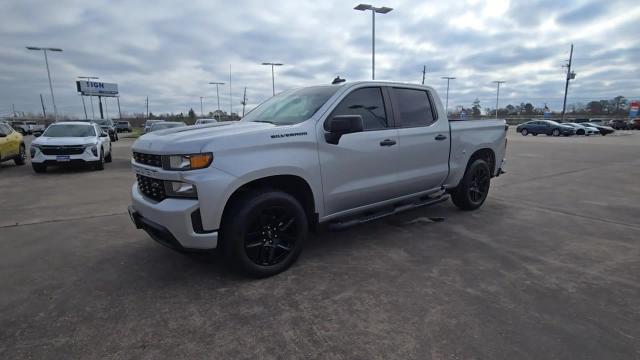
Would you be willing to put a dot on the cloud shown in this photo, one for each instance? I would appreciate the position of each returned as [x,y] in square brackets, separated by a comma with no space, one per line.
[170,50]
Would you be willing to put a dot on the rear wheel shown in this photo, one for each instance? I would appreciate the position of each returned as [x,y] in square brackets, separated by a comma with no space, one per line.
[39,168]
[264,232]
[21,158]
[555,132]
[473,189]
[581,132]
[524,132]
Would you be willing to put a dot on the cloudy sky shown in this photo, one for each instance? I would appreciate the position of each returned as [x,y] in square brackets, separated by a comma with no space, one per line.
[170,50]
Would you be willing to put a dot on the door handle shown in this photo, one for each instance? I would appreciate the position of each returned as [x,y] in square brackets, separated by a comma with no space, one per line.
[387,142]
[440,137]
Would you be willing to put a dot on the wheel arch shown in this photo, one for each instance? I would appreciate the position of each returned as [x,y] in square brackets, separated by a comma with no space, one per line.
[485,154]
[293,185]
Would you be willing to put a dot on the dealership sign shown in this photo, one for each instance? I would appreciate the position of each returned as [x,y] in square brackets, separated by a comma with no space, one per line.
[97,88]
[633,108]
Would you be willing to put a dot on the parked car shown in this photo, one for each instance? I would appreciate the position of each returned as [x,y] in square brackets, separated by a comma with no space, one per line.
[20,126]
[634,124]
[34,126]
[604,130]
[205,121]
[109,127]
[123,126]
[11,145]
[165,125]
[71,142]
[582,129]
[618,124]
[547,127]
[339,155]
[147,125]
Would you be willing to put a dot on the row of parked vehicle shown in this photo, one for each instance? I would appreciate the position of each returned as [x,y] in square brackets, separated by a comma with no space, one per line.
[553,128]
[158,124]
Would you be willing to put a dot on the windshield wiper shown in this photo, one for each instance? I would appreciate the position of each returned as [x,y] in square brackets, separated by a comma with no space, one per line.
[264,121]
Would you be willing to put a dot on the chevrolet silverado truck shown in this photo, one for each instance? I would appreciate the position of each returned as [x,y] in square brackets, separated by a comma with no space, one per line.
[337,155]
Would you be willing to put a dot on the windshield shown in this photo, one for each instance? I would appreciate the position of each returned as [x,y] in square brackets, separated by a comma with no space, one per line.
[69,130]
[103,122]
[293,106]
[123,123]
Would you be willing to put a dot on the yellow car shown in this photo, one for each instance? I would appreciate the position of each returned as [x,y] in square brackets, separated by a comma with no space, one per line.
[11,145]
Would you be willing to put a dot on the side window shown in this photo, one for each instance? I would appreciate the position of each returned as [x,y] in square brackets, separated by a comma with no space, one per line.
[368,103]
[4,130]
[414,107]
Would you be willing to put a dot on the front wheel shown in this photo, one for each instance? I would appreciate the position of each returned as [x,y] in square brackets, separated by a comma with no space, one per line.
[20,159]
[524,132]
[264,232]
[555,132]
[473,189]
[99,165]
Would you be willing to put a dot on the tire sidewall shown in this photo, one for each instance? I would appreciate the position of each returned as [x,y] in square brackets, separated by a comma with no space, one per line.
[461,197]
[233,234]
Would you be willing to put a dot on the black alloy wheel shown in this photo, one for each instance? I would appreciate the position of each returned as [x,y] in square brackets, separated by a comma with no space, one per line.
[473,189]
[271,235]
[479,187]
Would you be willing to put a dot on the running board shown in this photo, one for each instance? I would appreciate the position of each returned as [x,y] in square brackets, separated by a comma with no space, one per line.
[368,217]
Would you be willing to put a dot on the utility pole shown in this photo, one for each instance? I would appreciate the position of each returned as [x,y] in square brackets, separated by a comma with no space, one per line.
[244,100]
[44,112]
[424,73]
[13,108]
[570,76]
[147,102]
[497,94]
[446,107]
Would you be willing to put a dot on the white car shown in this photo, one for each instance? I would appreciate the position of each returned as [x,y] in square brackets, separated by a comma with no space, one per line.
[205,121]
[71,142]
[582,129]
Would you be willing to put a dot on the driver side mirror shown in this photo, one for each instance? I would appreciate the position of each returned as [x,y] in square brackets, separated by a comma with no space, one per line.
[341,125]
[103,134]
[37,133]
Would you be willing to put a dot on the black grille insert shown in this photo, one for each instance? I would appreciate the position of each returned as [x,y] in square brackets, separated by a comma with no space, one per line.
[151,188]
[62,149]
[148,159]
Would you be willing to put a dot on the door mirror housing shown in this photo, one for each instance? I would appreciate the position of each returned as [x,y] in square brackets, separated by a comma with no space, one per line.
[341,125]
[37,133]
[103,134]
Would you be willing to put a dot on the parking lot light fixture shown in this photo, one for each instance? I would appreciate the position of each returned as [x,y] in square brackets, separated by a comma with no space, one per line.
[217,83]
[273,81]
[46,61]
[446,107]
[374,10]
[498,94]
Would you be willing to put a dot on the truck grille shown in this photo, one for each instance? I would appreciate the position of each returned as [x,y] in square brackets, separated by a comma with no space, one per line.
[151,188]
[62,150]
[148,159]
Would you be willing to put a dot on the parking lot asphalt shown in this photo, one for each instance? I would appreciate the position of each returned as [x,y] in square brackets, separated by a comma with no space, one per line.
[548,268]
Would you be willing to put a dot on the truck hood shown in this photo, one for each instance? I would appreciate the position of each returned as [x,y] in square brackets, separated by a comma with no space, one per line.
[191,139]
[45,140]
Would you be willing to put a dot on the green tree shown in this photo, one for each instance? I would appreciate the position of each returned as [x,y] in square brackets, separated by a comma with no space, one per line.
[192,114]
[476,110]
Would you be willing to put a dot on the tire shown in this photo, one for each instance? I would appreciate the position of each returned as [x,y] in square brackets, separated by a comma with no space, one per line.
[108,158]
[473,189]
[581,132]
[555,132]
[99,165]
[534,134]
[524,132]
[22,156]
[39,168]
[264,232]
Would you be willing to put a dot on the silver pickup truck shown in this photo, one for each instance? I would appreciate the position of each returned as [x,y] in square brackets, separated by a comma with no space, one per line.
[337,155]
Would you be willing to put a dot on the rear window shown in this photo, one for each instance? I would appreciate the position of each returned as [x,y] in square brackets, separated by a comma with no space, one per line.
[414,107]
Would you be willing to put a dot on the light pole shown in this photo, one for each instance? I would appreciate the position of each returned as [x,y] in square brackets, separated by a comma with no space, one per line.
[374,10]
[217,92]
[93,114]
[497,94]
[201,111]
[46,61]
[446,107]
[273,81]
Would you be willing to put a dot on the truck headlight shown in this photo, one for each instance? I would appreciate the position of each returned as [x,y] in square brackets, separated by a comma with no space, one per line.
[189,162]
[180,189]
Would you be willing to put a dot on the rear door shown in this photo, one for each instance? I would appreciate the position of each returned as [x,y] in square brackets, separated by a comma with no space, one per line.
[361,169]
[424,142]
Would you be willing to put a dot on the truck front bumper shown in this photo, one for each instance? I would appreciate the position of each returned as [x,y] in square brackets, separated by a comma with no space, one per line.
[175,215]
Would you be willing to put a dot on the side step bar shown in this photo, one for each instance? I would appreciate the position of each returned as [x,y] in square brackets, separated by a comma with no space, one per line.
[371,216]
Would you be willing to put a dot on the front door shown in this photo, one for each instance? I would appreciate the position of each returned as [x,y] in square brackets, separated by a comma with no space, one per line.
[361,169]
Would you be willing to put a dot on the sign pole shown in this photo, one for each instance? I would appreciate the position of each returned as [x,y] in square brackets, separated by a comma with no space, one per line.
[100,106]
[119,112]
[86,117]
